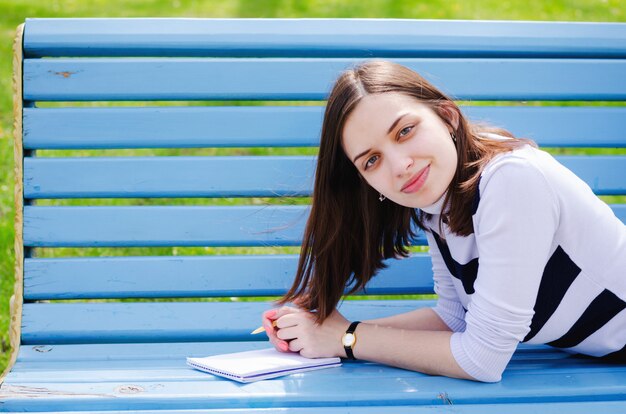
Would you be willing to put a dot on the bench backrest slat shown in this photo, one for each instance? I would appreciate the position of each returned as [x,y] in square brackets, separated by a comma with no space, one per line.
[119,79]
[163,322]
[127,226]
[319,37]
[169,177]
[286,126]
[200,276]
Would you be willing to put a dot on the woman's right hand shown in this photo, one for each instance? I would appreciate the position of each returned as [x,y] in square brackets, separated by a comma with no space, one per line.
[268,323]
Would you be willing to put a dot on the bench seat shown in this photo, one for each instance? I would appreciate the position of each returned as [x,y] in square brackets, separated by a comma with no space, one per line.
[151,373]
[154,376]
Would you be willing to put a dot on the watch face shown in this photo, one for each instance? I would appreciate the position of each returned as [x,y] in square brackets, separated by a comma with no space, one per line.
[348,340]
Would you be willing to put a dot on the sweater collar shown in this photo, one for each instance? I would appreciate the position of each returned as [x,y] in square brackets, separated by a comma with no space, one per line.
[436,207]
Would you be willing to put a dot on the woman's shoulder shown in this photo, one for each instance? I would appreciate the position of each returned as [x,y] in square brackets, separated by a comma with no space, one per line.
[523,154]
[524,170]
[526,159]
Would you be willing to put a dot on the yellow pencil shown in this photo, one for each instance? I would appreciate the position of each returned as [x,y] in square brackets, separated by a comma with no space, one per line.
[261,329]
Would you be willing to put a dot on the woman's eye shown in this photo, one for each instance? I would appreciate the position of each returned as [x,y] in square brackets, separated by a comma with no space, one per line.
[371,161]
[405,131]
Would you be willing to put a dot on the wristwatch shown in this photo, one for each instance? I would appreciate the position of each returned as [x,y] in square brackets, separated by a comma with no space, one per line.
[348,340]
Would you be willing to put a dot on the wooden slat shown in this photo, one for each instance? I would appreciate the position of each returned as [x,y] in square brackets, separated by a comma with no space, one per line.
[604,174]
[169,365]
[606,407]
[553,126]
[283,126]
[66,323]
[319,37]
[164,226]
[541,378]
[39,356]
[196,276]
[87,177]
[111,79]
[181,127]
[257,176]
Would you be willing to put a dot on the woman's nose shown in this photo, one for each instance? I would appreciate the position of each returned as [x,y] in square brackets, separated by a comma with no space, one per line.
[401,164]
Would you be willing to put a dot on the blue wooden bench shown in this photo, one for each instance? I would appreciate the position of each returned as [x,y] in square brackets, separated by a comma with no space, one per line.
[78,348]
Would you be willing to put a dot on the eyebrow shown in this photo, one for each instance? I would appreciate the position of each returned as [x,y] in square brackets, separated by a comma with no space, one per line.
[393,125]
[360,155]
[396,122]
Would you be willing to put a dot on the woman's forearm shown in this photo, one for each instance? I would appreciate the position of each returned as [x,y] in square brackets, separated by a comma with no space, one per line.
[425,319]
[424,351]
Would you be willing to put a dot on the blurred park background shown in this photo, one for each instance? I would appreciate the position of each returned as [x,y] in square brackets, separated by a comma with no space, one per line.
[14,12]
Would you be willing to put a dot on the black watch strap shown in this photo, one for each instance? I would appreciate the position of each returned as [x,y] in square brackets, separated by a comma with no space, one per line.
[351,330]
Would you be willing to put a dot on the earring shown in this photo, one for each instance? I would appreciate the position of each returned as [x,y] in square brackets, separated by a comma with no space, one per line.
[453,135]
[382,197]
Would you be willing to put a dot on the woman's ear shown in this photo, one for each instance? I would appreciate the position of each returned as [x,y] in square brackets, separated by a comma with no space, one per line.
[450,113]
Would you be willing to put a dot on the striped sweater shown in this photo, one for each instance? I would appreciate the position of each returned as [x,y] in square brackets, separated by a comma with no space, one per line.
[546,264]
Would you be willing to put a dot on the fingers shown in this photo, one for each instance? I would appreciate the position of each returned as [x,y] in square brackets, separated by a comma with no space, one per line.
[287,334]
[266,321]
[282,346]
[284,325]
[270,321]
[271,332]
[295,345]
[268,317]
[285,310]
[279,344]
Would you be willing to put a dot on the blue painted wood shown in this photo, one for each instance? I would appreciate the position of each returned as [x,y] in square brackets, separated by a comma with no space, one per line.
[606,407]
[151,368]
[323,391]
[180,127]
[257,176]
[66,323]
[197,276]
[285,126]
[557,126]
[170,369]
[604,174]
[111,79]
[319,37]
[164,226]
[159,376]
[296,392]
[39,356]
[88,177]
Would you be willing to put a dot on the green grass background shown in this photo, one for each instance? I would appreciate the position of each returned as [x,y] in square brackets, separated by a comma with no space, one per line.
[12,13]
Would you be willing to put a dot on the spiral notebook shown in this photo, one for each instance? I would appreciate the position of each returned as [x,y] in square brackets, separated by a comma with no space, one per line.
[250,366]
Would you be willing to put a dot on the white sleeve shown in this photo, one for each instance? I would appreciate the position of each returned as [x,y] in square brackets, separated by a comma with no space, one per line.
[449,307]
[514,226]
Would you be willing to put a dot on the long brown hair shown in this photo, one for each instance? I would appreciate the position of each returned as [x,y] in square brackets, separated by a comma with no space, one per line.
[349,231]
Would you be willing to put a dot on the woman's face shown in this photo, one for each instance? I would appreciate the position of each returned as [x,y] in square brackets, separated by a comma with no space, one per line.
[401,147]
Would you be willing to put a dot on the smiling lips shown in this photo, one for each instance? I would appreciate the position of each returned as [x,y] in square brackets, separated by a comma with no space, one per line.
[417,181]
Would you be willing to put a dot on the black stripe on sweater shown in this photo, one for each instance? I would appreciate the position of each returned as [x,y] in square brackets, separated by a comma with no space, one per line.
[601,310]
[466,273]
[558,275]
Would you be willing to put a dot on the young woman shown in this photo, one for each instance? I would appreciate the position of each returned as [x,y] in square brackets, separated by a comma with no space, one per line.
[522,250]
